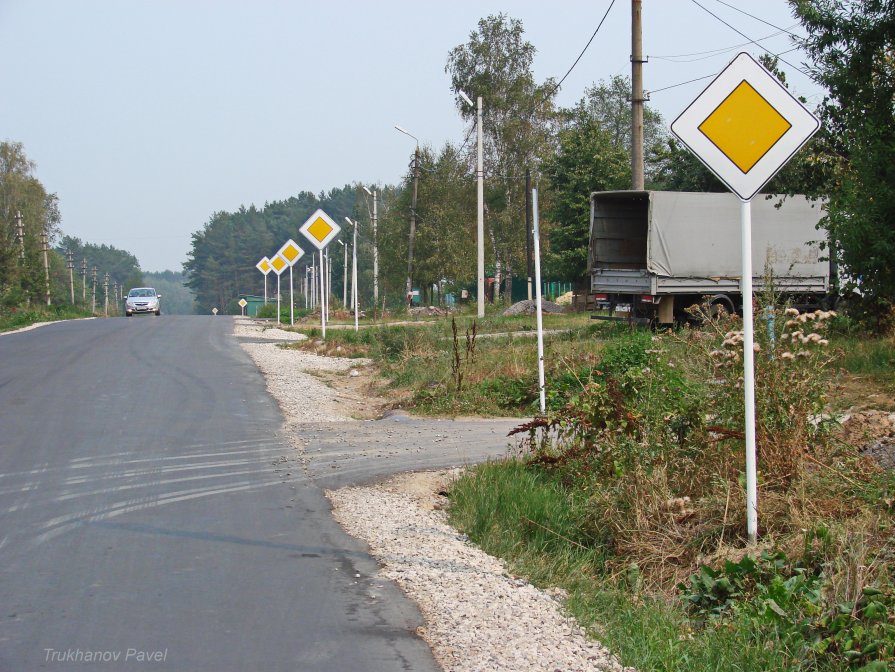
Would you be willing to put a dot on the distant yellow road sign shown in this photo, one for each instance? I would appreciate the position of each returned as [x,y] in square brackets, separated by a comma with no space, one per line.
[242,303]
[320,229]
[264,265]
[745,126]
[279,264]
[290,252]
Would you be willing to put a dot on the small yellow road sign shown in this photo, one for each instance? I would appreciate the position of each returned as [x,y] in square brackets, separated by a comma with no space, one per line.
[278,264]
[264,265]
[291,252]
[242,303]
[320,229]
[745,126]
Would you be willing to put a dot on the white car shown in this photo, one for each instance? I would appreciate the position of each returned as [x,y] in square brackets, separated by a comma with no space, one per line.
[142,300]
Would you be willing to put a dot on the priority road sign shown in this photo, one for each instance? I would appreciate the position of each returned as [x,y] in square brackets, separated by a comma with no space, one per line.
[745,126]
[320,229]
[278,264]
[242,303]
[264,265]
[291,252]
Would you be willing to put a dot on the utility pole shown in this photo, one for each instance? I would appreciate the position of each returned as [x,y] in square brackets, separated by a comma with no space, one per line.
[70,261]
[480,209]
[106,293]
[528,231]
[374,217]
[636,96]
[20,235]
[345,275]
[93,308]
[45,245]
[416,179]
[84,281]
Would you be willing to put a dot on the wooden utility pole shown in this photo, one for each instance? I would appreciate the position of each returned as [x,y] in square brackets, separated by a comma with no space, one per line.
[636,96]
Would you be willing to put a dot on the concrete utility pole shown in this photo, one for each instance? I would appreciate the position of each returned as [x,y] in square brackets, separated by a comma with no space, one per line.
[93,307]
[375,252]
[480,209]
[84,281]
[344,274]
[416,176]
[528,230]
[416,179]
[45,245]
[637,98]
[106,293]
[20,235]
[70,260]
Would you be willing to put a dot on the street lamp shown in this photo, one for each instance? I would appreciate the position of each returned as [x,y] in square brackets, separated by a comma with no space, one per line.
[373,217]
[480,199]
[416,175]
[354,273]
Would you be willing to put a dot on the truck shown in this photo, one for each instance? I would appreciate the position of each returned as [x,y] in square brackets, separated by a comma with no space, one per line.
[654,254]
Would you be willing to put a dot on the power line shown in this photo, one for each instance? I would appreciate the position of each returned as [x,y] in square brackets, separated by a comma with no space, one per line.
[689,81]
[705,55]
[738,32]
[752,16]
[569,71]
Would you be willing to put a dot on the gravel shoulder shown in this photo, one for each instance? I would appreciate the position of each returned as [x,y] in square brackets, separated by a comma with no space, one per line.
[478,617]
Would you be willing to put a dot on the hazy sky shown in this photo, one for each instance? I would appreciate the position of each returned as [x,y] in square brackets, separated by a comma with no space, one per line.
[147,116]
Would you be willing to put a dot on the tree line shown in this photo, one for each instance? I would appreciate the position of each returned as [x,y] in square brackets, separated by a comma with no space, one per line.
[36,258]
[569,153]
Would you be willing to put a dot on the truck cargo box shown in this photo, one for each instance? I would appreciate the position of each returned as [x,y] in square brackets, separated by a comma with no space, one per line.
[686,246]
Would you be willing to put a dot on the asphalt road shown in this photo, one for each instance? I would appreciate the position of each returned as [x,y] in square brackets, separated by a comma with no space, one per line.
[153,516]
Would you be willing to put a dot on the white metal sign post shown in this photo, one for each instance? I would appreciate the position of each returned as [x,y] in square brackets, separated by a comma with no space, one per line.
[320,229]
[291,252]
[265,267]
[540,319]
[744,127]
[278,264]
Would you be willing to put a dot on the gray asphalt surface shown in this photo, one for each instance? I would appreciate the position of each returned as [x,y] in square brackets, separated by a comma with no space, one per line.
[150,508]
[356,453]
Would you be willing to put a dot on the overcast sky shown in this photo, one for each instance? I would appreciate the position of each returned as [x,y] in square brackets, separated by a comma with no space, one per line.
[147,116]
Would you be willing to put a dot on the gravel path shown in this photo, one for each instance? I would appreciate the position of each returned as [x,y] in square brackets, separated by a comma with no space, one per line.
[478,617]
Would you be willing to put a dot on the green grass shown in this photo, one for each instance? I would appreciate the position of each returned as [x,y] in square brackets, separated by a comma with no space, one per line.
[868,356]
[494,504]
[498,377]
[17,318]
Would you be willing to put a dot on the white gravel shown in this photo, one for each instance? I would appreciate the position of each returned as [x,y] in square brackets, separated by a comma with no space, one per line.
[249,328]
[302,397]
[478,618]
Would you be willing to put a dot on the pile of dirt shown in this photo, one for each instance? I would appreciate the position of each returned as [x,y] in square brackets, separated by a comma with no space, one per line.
[873,434]
[531,307]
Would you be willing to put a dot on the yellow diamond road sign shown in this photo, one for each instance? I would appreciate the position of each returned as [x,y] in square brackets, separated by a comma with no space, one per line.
[243,303]
[264,265]
[745,126]
[279,264]
[320,229]
[291,252]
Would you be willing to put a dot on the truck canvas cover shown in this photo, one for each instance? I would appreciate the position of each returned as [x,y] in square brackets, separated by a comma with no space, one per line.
[697,235]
